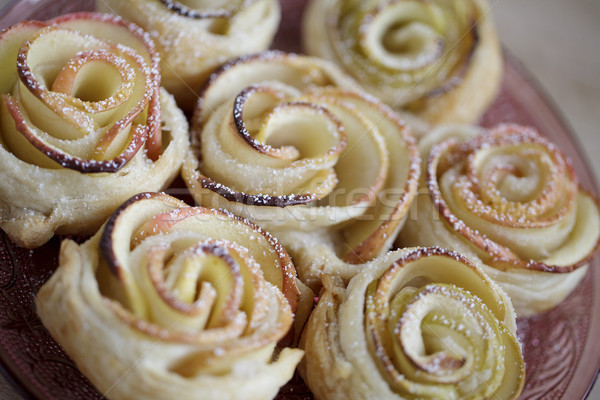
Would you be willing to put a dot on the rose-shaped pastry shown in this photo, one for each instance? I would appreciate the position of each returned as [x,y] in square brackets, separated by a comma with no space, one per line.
[175,302]
[84,124]
[508,199]
[287,141]
[438,58]
[421,323]
[195,36]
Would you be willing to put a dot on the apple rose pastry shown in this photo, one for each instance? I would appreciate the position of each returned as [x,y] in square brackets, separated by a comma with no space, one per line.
[195,36]
[420,323]
[169,301]
[84,124]
[287,142]
[510,200]
[439,59]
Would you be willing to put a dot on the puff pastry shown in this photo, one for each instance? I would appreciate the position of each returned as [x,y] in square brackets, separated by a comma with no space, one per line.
[440,59]
[291,143]
[195,36]
[83,124]
[169,301]
[420,323]
[510,200]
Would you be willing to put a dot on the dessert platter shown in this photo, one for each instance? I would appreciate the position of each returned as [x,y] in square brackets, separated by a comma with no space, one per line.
[553,354]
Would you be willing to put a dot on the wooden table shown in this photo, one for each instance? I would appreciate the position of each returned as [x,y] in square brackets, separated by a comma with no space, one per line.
[557,41]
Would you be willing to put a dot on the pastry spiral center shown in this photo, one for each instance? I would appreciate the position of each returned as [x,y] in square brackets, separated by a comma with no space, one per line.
[512,182]
[79,78]
[433,337]
[403,37]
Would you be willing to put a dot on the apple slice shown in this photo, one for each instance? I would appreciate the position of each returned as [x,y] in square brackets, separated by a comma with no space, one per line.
[69,116]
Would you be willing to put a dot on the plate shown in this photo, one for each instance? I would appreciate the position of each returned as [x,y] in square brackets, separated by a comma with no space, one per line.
[560,347]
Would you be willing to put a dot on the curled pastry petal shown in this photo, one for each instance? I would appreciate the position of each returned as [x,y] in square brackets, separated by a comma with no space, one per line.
[415,323]
[195,36]
[509,199]
[84,124]
[170,301]
[289,142]
[440,59]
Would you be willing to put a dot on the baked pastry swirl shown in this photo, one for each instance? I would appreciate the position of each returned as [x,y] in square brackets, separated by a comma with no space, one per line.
[510,200]
[83,124]
[287,141]
[420,323]
[169,301]
[195,36]
[440,59]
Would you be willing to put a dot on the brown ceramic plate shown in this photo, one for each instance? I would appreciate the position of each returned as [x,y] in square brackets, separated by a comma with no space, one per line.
[560,346]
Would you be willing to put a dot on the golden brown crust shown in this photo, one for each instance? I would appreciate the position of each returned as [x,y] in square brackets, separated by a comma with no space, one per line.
[291,143]
[509,199]
[83,127]
[400,328]
[196,299]
[439,60]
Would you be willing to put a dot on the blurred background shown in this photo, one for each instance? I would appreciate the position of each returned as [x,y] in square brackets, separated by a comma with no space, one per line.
[558,41]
